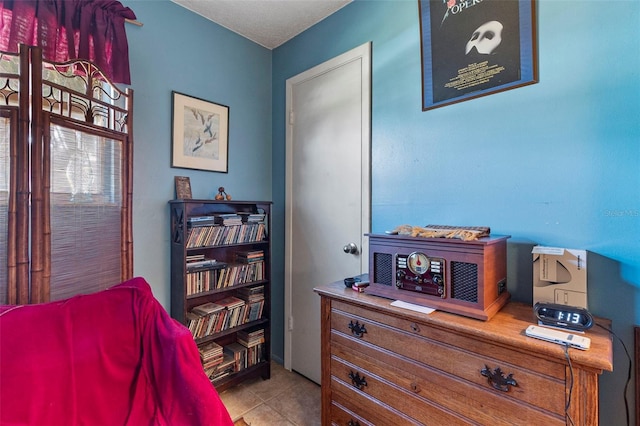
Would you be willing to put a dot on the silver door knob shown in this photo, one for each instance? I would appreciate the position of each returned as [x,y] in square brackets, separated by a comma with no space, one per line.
[350,248]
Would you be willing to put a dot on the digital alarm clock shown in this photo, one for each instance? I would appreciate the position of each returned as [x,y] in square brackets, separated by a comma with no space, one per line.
[563,316]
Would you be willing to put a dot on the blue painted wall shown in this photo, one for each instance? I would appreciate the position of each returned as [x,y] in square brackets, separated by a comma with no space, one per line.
[556,163]
[178,50]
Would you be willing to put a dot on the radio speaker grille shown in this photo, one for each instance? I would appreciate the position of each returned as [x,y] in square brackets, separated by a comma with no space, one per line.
[383,268]
[464,281]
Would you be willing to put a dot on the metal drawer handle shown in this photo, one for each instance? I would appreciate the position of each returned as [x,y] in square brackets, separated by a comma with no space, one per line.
[415,328]
[353,423]
[357,381]
[415,387]
[357,329]
[497,379]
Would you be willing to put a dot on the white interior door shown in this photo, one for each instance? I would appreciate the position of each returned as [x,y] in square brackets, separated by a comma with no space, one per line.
[328,193]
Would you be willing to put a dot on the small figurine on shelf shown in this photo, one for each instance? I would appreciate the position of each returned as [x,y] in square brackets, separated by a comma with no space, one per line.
[221,195]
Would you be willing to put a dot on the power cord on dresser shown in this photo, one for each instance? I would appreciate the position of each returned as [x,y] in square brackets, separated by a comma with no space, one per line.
[629,372]
[626,386]
[566,407]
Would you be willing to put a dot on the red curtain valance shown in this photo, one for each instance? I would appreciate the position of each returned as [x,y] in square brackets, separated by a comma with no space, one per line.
[91,30]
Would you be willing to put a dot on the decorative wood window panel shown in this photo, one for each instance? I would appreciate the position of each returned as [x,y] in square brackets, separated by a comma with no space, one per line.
[65,197]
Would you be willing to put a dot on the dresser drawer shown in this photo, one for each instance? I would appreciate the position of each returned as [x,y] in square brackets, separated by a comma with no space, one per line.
[430,389]
[358,410]
[398,406]
[370,409]
[540,383]
[549,368]
[341,415]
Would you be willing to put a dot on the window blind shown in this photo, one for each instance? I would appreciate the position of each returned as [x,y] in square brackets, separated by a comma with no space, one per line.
[86,203]
[68,137]
[5,127]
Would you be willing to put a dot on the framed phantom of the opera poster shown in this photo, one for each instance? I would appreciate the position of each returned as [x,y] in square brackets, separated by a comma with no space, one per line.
[473,48]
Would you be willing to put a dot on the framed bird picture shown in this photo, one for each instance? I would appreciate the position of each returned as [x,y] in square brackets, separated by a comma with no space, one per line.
[200,134]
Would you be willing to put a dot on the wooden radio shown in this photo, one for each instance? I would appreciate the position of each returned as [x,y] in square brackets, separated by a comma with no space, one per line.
[462,277]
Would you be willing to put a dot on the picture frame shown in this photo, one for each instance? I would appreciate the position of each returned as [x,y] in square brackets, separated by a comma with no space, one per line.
[200,134]
[183,188]
[474,49]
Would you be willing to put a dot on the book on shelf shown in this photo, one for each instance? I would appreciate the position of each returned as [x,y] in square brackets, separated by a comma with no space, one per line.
[235,308]
[201,220]
[202,319]
[203,325]
[211,355]
[228,219]
[251,293]
[207,308]
[213,363]
[255,309]
[209,350]
[252,217]
[230,302]
[201,280]
[250,338]
[226,367]
[255,354]
[238,353]
[225,235]
[244,356]
[210,318]
[203,236]
[254,300]
[249,256]
[204,264]
[236,358]
[241,273]
[213,317]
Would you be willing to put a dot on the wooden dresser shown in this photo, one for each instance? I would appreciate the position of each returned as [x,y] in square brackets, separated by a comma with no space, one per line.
[383,365]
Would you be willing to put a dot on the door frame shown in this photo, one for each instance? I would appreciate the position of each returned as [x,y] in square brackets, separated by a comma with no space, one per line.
[363,54]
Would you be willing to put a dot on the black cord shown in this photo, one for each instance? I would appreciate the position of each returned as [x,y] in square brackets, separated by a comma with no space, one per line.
[566,407]
[626,386]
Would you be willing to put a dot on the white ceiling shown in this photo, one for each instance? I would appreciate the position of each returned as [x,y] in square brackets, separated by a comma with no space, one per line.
[266,22]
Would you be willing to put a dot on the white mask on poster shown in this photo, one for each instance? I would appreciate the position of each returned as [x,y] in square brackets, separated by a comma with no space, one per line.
[486,38]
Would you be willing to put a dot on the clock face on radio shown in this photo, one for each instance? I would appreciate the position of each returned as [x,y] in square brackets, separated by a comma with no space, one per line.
[418,263]
[563,316]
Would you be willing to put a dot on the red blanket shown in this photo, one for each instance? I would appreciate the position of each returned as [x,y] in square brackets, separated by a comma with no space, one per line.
[109,358]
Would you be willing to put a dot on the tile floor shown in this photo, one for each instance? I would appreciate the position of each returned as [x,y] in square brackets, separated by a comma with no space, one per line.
[287,399]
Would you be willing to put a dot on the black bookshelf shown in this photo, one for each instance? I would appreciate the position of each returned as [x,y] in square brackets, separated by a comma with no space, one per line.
[229,243]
